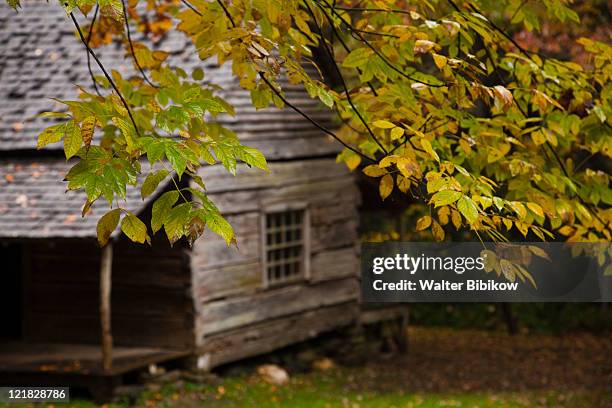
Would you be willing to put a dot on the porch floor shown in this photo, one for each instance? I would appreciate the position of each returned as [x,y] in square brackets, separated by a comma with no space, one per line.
[79,359]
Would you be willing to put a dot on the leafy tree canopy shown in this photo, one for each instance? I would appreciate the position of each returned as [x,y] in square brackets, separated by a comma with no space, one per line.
[437,101]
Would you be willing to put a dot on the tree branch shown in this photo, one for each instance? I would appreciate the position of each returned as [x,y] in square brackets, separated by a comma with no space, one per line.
[108,77]
[186,3]
[343,82]
[315,123]
[295,108]
[376,51]
[129,38]
[91,74]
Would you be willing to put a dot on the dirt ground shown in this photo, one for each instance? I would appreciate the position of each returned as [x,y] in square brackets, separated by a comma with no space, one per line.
[443,360]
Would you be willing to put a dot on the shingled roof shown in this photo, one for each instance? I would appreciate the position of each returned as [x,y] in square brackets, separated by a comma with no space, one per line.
[34,202]
[40,58]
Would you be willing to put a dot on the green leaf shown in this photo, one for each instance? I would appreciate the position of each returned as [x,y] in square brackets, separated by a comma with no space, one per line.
[151,182]
[72,139]
[127,129]
[383,124]
[252,157]
[220,226]
[357,58]
[325,97]
[445,197]
[176,221]
[161,208]
[14,4]
[107,225]
[197,74]
[135,229]
[176,158]
[468,209]
[52,134]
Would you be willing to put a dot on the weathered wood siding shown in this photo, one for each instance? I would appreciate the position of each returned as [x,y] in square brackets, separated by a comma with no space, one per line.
[150,303]
[236,315]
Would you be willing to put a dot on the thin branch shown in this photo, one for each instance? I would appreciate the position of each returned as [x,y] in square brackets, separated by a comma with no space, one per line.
[108,77]
[335,32]
[129,38]
[501,31]
[195,10]
[91,74]
[227,13]
[516,12]
[295,108]
[308,118]
[407,137]
[374,49]
[346,91]
[367,9]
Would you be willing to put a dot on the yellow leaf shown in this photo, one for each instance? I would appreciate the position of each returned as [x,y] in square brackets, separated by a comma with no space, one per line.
[383,124]
[518,208]
[374,171]
[538,137]
[456,218]
[439,60]
[388,161]
[507,223]
[503,95]
[423,223]
[353,162]
[426,144]
[87,130]
[386,186]
[423,46]
[437,231]
[396,133]
[403,183]
[407,167]
[536,209]
[443,214]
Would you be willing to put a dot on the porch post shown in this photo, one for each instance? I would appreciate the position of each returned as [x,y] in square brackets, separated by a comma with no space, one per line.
[106,267]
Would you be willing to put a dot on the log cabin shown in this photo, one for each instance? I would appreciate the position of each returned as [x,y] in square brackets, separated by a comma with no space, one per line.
[293,275]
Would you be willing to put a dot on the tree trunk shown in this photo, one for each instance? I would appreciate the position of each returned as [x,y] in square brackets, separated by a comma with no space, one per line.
[106,267]
[510,318]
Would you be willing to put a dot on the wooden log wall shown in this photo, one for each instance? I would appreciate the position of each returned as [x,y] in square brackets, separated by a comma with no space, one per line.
[236,316]
[150,299]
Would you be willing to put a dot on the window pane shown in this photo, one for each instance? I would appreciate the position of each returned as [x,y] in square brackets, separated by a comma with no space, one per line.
[284,248]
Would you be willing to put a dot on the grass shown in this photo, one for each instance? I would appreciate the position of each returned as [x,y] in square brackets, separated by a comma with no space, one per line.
[341,387]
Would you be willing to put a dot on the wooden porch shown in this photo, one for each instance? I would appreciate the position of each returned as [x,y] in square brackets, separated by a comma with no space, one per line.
[82,359]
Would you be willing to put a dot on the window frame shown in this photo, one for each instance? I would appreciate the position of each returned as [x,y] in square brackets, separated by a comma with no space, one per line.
[306,236]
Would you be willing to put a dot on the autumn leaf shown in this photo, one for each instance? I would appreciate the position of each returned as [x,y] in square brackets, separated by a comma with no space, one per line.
[383,124]
[503,96]
[445,197]
[386,186]
[423,223]
[107,225]
[87,130]
[437,231]
[374,171]
[468,209]
[134,229]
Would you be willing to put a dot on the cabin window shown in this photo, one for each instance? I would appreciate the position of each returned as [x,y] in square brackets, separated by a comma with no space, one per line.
[285,245]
